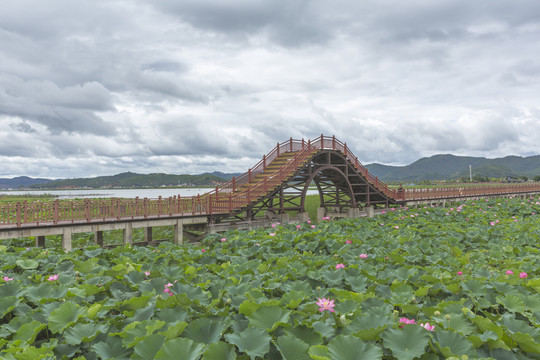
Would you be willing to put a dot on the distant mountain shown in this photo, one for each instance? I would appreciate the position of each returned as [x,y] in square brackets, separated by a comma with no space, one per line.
[129,180]
[21,182]
[450,167]
[219,174]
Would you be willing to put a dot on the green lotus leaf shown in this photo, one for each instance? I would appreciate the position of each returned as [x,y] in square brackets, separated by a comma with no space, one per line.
[220,351]
[253,341]
[80,333]
[451,343]
[460,323]
[294,298]
[28,332]
[269,317]
[319,352]
[27,264]
[180,348]
[7,304]
[514,303]
[406,343]
[148,347]
[292,348]
[347,347]
[306,334]
[368,327]
[65,315]
[205,330]
[532,302]
[112,349]
[324,327]
[11,288]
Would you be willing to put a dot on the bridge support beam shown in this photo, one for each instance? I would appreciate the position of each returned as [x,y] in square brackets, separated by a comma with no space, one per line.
[66,239]
[179,232]
[128,234]
[321,212]
[98,238]
[40,241]
[148,234]
[370,211]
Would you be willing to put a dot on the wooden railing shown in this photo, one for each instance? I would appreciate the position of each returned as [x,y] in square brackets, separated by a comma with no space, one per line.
[229,197]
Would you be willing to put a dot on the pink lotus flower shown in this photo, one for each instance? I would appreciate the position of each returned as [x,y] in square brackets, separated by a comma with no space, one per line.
[340,266]
[298,226]
[325,304]
[313,226]
[326,218]
[272,234]
[362,256]
[396,227]
[509,272]
[147,273]
[348,242]
[407,321]
[223,239]
[203,250]
[309,221]
[52,277]
[167,290]
[460,273]
[523,275]
[6,278]
[273,225]
[428,327]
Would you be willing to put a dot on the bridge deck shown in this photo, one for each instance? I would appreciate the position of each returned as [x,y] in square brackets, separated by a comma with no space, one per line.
[236,196]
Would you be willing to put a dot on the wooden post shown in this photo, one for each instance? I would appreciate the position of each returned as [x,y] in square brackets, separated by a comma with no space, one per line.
[249,175]
[18,214]
[56,211]
[233,184]
[290,142]
[264,162]
[277,146]
[333,142]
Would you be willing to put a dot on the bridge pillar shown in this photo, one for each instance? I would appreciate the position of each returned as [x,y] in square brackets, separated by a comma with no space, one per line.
[98,237]
[353,212]
[369,211]
[40,241]
[321,212]
[66,239]
[148,234]
[179,232]
[128,234]
[304,216]
[284,218]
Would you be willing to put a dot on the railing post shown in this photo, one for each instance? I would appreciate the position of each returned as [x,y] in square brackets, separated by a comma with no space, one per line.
[56,211]
[264,162]
[87,209]
[248,195]
[309,144]
[233,184]
[18,207]
[277,146]
[345,150]
[333,142]
[209,205]
[145,207]
[303,143]
[230,203]
[290,142]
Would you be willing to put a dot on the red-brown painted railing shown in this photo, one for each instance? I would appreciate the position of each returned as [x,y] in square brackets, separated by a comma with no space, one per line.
[233,195]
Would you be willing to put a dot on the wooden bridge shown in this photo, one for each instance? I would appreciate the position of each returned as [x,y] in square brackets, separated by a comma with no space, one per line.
[273,190]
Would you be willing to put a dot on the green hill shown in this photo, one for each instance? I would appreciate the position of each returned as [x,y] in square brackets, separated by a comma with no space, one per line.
[130,180]
[451,167]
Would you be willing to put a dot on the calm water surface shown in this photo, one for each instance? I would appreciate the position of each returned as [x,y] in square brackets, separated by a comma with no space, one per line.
[120,193]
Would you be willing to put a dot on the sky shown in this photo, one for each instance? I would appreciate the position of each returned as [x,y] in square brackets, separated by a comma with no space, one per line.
[100,87]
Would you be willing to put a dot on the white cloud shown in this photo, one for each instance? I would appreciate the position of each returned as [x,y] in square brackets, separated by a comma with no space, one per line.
[193,86]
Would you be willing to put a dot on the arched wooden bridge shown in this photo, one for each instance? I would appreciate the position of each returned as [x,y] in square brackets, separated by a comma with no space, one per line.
[275,187]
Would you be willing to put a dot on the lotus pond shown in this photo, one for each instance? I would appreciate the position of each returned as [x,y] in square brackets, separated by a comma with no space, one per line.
[457,282]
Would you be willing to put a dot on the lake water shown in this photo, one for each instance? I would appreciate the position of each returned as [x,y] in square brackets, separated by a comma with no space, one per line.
[120,193]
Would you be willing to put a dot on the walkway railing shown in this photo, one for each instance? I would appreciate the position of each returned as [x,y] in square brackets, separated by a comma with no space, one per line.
[227,198]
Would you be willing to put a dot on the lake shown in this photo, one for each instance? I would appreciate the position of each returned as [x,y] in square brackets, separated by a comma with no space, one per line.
[119,193]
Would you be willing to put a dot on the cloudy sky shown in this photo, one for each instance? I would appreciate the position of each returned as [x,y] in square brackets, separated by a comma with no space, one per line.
[98,87]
